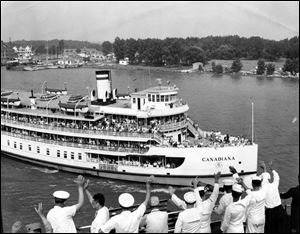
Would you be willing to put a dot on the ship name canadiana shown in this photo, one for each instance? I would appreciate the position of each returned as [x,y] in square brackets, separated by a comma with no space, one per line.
[119,136]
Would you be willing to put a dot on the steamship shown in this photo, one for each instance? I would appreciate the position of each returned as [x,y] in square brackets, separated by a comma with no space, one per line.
[120,136]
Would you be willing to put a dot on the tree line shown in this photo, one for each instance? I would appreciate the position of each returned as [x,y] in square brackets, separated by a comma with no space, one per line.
[180,51]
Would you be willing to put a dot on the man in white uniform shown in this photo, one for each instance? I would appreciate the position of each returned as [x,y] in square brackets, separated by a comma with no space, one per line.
[207,204]
[60,217]
[276,220]
[102,213]
[226,199]
[255,202]
[235,212]
[127,221]
[188,221]
[156,221]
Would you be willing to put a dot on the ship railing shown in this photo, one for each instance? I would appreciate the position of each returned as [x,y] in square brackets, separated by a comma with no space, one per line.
[80,131]
[77,145]
[108,166]
[171,126]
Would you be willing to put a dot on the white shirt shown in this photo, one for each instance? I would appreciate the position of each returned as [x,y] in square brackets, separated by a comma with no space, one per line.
[156,221]
[234,217]
[225,200]
[207,208]
[102,216]
[255,202]
[272,193]
[126,222]
[61,219]
[188,221]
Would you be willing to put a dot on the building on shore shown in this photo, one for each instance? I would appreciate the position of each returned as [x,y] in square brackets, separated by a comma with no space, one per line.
[23,52]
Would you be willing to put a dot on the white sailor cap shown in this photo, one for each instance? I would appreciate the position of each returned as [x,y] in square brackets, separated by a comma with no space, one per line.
[126,200]
[189,197]
[228,182]
[61,194]
[237,188]
[256,178]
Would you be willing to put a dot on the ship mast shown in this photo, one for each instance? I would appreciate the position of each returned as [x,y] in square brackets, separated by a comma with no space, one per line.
[252,123]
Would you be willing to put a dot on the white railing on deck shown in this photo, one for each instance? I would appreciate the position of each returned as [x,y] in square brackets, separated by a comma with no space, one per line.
[81,131]
[77,145]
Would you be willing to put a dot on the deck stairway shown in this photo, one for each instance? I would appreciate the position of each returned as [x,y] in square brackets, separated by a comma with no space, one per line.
[192,129]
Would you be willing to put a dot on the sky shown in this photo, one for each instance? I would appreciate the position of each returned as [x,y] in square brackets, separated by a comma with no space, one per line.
[105,20]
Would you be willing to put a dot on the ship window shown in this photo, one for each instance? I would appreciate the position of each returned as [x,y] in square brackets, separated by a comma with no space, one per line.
[58,153]
[15,144]
[157,97]
[133,100]
[65,154]
[72,155]
[167,98]
[149,97]
[29,147]
[153,98]
[162,98]
[8,142]
[79,156]
[38,149]
[48,151]
[21,146]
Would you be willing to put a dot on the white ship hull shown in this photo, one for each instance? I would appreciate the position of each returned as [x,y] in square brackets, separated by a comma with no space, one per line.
[201,162]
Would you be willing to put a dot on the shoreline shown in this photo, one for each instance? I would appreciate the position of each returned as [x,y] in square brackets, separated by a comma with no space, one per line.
[178,69]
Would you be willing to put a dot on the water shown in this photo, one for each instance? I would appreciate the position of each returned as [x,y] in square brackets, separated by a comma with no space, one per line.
[216,103]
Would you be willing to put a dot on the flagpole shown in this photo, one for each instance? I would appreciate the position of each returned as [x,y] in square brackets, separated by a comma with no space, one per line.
[252,123]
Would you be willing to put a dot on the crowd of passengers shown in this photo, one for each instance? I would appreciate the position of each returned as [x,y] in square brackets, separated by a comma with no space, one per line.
[216,139]
[120,124]
[97,142]
[210,139]
[132,162]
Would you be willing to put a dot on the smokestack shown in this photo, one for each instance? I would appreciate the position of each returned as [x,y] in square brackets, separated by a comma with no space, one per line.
[104,85]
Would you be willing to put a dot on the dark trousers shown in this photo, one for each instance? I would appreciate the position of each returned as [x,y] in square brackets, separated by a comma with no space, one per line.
[276,220]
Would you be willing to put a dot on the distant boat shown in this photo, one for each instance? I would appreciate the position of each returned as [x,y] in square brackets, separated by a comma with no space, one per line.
[34,68]
[48,97]
[52,66]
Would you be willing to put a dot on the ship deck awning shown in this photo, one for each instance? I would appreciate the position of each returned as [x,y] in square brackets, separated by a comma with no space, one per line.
[43,113]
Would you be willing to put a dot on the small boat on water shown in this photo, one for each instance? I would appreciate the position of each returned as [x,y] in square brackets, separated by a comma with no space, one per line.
[52,66]
[48,97]
[34,68]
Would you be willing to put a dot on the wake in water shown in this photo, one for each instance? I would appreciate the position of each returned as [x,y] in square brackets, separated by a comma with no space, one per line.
[44,170]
